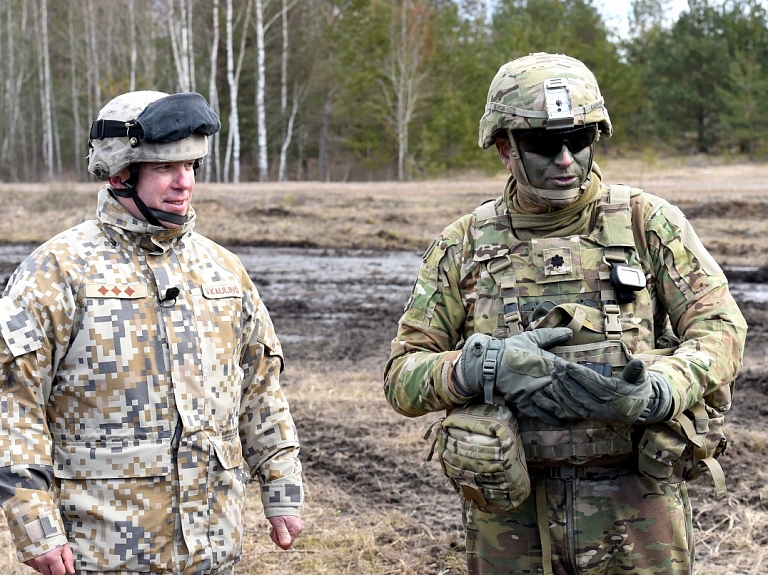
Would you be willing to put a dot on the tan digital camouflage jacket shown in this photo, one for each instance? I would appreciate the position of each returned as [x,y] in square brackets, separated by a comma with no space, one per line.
[686,286]
[131,425]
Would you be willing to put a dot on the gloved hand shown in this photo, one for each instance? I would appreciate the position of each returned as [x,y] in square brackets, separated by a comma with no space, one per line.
[578,392]
[516,366]
[660,404]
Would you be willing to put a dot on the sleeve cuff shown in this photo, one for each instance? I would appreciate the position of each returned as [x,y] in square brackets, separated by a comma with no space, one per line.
[34,522]
[282,511]
[281,496]
[450,391]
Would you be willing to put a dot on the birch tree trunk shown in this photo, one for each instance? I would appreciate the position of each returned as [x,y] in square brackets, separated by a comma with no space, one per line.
[298,98]
[404,76]
[94,65]
[44,74]
[284,60]
[180,33]
[213,97]
[261,115]
[233,140]
[233,79]
[12,81]
[74,42]
[190,44]
[134,51]
[288,131]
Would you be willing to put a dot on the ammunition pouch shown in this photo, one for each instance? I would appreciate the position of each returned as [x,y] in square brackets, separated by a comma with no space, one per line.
[480,452]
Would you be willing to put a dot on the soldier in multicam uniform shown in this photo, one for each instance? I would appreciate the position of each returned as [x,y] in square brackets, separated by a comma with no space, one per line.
[140,372]
[596,317]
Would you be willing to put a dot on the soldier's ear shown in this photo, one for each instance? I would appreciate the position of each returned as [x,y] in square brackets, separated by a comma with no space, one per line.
[505,151]
[117,180]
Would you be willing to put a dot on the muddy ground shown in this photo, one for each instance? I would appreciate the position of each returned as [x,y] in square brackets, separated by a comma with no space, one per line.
[335,266]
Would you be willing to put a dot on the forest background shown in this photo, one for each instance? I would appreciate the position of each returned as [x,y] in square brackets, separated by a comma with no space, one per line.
[370,90]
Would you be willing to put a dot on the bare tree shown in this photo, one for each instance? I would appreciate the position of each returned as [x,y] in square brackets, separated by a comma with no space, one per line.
[180,31]
[92,57]
[261,27]
[261,115]
[404,73]
[233,79]
[75,88]
[288,131]
[132,34]
[13,80]
[213,98]
[44,75]
[299,93]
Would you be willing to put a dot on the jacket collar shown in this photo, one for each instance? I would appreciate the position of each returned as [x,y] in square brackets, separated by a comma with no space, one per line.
[118,222]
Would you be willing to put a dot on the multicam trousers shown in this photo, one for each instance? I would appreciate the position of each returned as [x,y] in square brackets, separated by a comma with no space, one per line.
[600,521]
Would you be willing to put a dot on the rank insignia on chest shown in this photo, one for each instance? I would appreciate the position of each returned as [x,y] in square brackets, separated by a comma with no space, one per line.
[119,291]
[557,261]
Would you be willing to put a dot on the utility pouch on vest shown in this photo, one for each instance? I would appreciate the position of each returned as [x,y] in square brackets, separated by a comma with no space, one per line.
[686,447]
[479,449]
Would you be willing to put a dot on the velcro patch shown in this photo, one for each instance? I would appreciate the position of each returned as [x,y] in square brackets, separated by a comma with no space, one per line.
[222,290]
[120,291]
[557,261]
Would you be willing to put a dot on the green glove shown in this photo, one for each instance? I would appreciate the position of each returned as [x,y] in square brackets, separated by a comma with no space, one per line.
[578,392]
[515,367]
[660,404]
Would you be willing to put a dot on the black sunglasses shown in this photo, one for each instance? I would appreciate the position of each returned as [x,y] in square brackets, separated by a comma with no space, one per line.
[549,143]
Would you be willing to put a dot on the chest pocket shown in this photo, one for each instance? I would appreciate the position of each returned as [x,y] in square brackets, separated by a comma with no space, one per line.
[557,259]
[218,311]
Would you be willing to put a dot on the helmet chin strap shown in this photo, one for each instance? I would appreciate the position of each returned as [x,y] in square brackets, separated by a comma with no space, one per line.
[153,216]
[540,196]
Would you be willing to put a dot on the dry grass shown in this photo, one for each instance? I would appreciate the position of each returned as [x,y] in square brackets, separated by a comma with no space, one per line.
[344,532]
[390,215]
[366,542]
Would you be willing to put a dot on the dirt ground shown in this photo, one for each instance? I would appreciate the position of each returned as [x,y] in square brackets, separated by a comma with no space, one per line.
[374,505]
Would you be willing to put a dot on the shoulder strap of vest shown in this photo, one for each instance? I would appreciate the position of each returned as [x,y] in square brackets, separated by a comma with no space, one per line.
[485,211]
[619,193]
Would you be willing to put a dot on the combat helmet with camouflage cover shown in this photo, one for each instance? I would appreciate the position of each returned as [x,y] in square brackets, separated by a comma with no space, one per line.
[149,126]
[549,91]
[544,96]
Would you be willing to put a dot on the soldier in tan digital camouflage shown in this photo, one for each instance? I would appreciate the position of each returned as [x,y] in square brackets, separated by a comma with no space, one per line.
[140,372]
[582,342]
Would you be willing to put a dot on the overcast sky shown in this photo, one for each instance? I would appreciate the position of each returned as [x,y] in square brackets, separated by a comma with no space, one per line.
[616,12]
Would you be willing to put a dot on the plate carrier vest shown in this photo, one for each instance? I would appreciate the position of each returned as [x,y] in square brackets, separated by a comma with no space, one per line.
[565,281]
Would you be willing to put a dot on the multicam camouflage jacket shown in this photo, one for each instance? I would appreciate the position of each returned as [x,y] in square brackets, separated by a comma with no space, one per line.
[477,274]
[140,393]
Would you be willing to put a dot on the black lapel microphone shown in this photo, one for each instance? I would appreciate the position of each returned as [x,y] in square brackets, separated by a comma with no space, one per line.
[170,296]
